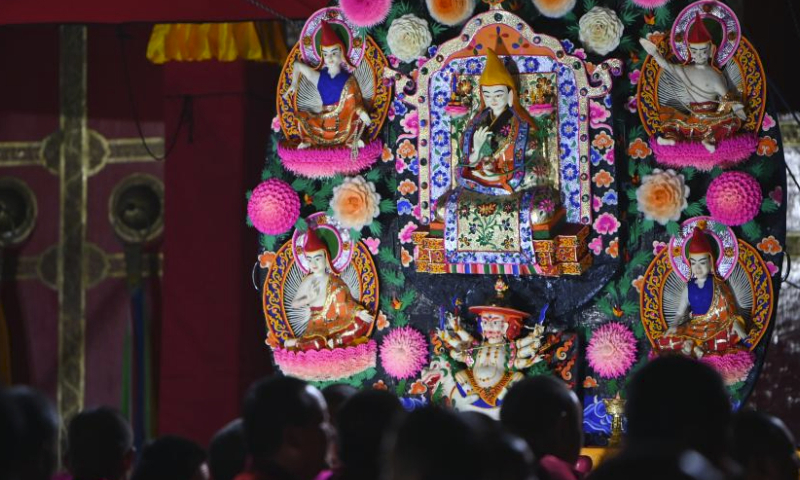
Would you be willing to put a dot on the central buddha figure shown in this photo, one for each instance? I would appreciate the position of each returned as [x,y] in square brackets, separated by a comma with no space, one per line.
[498,146]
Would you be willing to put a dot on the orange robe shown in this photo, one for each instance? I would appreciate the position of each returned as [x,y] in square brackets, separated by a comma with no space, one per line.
[337,319]
[337,124]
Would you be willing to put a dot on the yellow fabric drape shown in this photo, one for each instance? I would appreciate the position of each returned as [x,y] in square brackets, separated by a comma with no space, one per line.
[225,42]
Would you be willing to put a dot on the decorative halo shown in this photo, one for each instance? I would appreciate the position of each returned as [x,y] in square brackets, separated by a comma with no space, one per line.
[728,247]
[751,278]
[334,16]
[731,30]
[331,231]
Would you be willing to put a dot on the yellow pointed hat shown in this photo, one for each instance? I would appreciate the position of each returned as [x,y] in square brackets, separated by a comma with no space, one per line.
[495,72]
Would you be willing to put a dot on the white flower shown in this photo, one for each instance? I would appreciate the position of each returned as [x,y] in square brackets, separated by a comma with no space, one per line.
[600,30]
[409,37]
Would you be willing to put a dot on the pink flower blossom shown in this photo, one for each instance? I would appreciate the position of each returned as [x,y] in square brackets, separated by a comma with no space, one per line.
[634,76]
[372,244]
[768,122]
[733,367]
[773,269]
[276,124]
[597,114]
[580,53]
[609,156]
[400,165]
[406,231]
[393,61]
[632,104]
[403,352]
[417,212]
[410,124]
[777,195]
[606,224]
[658,247]
[597,203]
[596,245]
[612,350]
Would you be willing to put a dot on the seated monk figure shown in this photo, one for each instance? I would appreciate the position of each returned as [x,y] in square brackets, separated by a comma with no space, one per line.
[707,317]
[342,118]
[337,319]
[712,110]
[498,143]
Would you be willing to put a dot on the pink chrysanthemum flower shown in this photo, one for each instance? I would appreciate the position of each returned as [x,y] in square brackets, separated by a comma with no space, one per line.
[612,350]
[650,4]
[734,198]
[274,207]
[366,13]
[733,367]
[404,352]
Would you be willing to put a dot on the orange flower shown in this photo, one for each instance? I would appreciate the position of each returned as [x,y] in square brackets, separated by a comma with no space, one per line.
[386,155]
[381,322]
[396,303]
[417,388]
[662,196]
[405,257]
[613,248]
[272,341]
[766,146]
[602,141]
[649,19]
[266,259]
[770,245]
[638,283]
[407,149]
[379,385]
[355,202]
[308,199]
[602,178]
[590,67]
[589,382]
[407,187]
[656,37]
[639,149]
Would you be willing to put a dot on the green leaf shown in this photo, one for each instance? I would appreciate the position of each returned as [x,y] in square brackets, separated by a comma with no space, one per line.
[386,304]
[573,30]
[386,256]
[376,228]
[394,278]
[694,209]
[401,388]
[437,28]
[612,387]
[247,221]
[703,202]
[400,319]
[631,193]
[373,175]
[589,4]
[769,206]
[752,231]
[626,44]
[715,172]
[757,169]
[570,17]
[392,184]
[628,16]
[663,17]
[387,205]
[647,225]
[301,184]
[644,169]
[641,257]
[268,242]
[633,234]
[624,286]
[604,305]
[407,298]
[355,235]
[301,224]
[688,173]
[629,307]
[638,330]
[673,228]
[633,207]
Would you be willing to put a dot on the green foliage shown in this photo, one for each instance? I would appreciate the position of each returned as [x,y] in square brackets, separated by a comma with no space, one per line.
[356,380]
[626,44]
[392,184]
[688,173]
[302,185]
[301,224]
[604,305]
[247,221]
[376,228]
[373,175]
[636,131]
[638,330]
[694,209]
[715,172]
[407,298]
[394,278]
[400,389]
[612,387]
[752,231]
[673,228]
[663,17]
[355,235]
[387,205]
[642,257]
[769,206]
[644,169]
[268,242]
[589,4]
[628,15]
[629,307]
[386,256]
[400,319]
[647,225]
[539,368]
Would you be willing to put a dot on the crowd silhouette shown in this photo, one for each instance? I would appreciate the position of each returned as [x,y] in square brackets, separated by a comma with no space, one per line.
[679,426]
